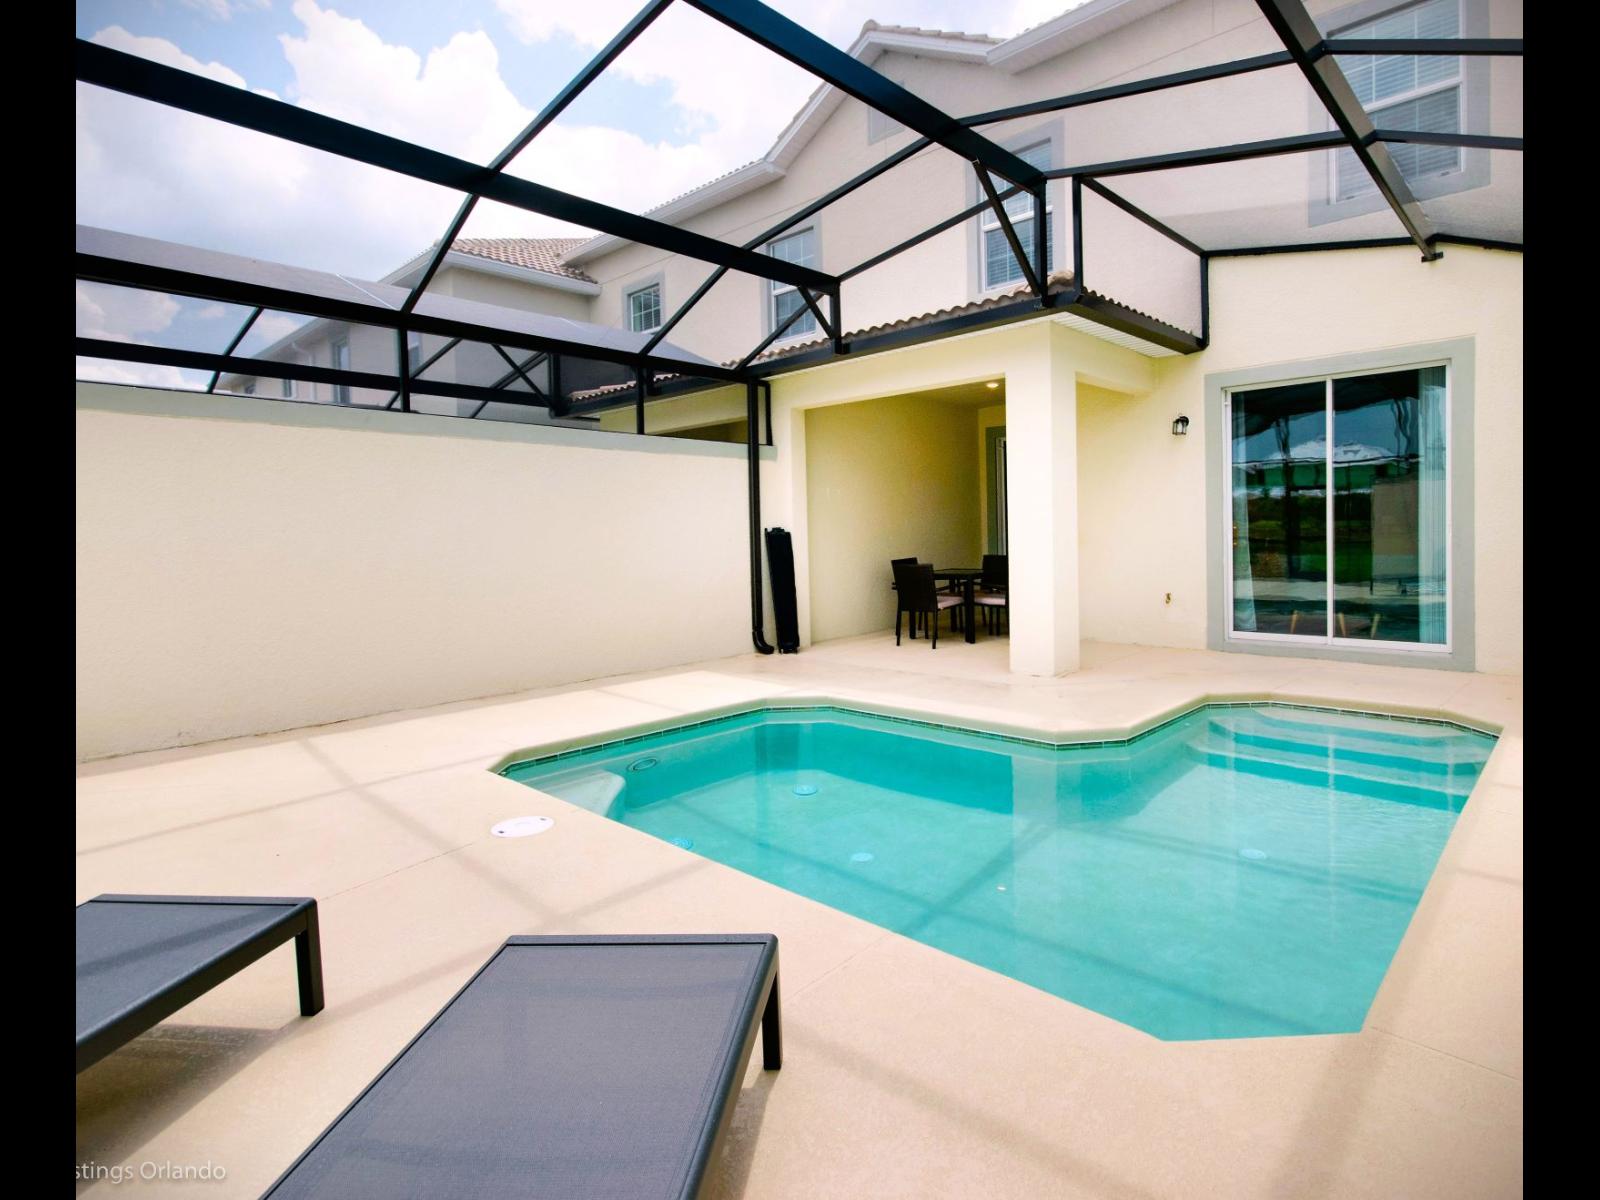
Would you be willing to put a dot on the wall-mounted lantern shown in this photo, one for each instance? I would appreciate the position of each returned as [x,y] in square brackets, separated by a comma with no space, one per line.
[1181,426]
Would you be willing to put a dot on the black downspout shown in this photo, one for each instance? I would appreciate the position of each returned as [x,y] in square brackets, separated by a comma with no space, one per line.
[758,620]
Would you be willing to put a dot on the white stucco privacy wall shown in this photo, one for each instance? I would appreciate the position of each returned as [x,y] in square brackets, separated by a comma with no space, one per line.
[245,565]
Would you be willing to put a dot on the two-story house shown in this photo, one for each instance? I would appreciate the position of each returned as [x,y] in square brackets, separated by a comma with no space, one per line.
[1256,451]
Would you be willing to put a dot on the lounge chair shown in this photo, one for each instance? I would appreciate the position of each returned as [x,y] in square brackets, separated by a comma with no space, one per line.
[141,958]
[567,1067]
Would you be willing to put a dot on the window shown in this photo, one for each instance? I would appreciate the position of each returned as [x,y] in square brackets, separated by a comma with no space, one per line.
[1339,510]
[1405,91]
[1000,266]
[341,362]
[286,389]
[413,352]
[801,249]
[644,308]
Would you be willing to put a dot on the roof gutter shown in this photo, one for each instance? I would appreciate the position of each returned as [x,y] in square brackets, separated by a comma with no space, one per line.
[491,266]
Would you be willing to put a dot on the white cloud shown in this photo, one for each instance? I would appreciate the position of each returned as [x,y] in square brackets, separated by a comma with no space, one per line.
[119,314]
[161,173]
[733,96]
[146,169]
[454,100]
[223,10]
[101,370]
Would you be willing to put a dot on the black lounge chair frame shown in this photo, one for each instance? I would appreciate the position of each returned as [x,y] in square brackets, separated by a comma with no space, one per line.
[298,920]
[752,992]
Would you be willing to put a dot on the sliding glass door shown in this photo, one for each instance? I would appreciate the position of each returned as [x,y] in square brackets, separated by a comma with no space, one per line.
[1340,510]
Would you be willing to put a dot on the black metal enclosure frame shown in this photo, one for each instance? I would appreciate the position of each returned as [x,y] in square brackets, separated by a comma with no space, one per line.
[1304,47]
[644,360]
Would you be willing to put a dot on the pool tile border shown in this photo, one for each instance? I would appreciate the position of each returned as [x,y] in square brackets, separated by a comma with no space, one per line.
[776,705]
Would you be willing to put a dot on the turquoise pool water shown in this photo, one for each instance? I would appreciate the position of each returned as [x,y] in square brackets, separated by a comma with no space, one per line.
[1239,872]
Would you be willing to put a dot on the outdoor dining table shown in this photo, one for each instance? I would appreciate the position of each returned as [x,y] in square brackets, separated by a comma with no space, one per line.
[968,578]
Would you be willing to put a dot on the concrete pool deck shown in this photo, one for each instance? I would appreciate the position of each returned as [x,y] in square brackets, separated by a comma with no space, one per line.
[907,1072]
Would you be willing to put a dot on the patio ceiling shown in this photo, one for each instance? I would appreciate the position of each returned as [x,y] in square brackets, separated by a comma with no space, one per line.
[119,260]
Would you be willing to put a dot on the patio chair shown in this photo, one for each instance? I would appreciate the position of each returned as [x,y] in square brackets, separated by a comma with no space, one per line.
[951,587]
[894,568]
[141,958]
[568,1067]
[916,593]
[993,595]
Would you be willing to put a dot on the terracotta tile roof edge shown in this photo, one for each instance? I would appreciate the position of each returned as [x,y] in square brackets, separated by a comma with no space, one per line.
[1058,283]
[533,254]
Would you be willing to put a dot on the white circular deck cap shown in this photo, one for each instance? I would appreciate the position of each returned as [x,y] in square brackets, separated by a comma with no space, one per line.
[522,826]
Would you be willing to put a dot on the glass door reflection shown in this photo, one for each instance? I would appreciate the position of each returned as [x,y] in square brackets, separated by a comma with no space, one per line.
[1280,509]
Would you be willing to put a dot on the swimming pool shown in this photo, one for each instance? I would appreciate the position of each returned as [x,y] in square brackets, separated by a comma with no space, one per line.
[1241,871]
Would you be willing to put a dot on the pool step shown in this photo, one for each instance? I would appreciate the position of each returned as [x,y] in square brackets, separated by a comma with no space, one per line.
[597,791]
[1381,782]
[1365,745]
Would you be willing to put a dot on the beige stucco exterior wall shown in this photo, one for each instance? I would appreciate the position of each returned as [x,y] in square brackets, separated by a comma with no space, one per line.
[1141,492]
[1137,534]
[1263,201]
[246,566]
[1277,309]
[487,288]
[890,478]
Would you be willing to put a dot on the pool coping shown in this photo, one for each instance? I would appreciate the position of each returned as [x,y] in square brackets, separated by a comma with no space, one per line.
[560,748]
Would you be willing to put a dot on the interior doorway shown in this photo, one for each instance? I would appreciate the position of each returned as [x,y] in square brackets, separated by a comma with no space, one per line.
[995,490]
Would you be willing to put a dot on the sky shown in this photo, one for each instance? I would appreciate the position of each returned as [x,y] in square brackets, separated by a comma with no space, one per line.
[690,100]
[684,104]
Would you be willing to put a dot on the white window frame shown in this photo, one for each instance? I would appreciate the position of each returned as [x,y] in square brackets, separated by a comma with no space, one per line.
[1330,639]
[653,285]
[340,348]
[1341,157]
[988,223]
[776,288]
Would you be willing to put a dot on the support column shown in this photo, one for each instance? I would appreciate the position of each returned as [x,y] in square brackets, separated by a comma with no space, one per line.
[1042,504]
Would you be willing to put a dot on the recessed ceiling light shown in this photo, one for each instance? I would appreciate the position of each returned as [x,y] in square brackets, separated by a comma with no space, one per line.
[992,384]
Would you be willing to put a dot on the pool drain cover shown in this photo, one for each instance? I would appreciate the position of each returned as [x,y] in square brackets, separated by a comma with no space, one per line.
[643,764]
[522,827]
[861,856]
[805,789]
[1252,853]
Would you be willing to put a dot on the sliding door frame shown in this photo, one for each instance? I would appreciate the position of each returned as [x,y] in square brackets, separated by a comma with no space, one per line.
[1457,651]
